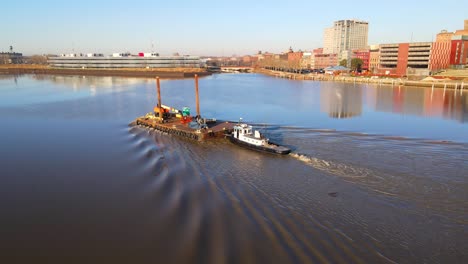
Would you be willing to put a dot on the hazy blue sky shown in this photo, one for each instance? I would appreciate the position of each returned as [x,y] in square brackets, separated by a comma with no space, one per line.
[212,27]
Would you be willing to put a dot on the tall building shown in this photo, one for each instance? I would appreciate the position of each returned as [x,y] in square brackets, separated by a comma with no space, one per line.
[345,35]
[328,40]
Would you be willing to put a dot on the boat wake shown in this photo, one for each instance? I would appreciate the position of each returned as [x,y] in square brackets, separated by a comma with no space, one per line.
[335,168]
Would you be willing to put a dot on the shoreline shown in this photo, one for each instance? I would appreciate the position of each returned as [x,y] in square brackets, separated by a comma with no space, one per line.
[437,83]
[180,73]
[175,73]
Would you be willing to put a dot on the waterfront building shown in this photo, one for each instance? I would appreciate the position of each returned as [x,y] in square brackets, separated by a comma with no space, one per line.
[440,54]
[11,57]
[313,60]
[459,52]
[119,61]
[405,58]
[374,58]
[325,60]
[364,55]
[294,58]
[459,48]
[307,60]
[345,35]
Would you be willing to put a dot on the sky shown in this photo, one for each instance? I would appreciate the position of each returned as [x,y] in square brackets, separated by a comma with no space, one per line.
[212,28]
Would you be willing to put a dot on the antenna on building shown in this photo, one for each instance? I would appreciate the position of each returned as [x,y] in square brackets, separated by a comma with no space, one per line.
[411,37]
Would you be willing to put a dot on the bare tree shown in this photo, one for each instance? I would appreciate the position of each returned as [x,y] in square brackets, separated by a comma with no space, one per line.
[38,59]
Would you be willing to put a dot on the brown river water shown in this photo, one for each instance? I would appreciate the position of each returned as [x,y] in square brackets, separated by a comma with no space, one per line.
[388,183]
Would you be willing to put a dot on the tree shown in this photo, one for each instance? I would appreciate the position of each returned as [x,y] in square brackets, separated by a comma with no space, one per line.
[38,59]
[356,64]
[344,63]
[11,48]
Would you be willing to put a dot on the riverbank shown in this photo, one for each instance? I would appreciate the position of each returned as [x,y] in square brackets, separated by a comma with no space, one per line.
[127,72]
[446,82]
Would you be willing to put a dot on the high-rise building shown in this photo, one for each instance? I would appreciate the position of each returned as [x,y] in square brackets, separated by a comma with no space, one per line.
[328,40]
[345,35]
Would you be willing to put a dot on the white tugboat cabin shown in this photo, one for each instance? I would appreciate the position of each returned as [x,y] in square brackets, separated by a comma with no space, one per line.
[245,136]
[244,132]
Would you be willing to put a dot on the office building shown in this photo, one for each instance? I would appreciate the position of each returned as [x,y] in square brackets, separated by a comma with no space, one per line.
[345,35]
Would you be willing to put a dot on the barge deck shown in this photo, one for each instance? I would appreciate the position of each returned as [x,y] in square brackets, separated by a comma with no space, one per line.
[217,129]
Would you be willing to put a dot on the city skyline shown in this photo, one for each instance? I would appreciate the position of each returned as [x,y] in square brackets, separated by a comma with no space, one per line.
[210,28]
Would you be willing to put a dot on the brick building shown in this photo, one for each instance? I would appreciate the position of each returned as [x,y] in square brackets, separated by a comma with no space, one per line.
[459,51]
[295,57]
[364,55]
[459,48]
[325,60]
[440,54]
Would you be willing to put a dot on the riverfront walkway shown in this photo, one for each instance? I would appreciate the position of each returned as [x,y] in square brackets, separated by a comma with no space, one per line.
[460,83]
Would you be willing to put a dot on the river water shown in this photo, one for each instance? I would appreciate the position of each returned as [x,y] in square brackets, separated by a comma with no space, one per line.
[377,174]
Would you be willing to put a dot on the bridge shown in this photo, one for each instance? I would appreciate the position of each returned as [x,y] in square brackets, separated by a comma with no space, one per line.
[236,69]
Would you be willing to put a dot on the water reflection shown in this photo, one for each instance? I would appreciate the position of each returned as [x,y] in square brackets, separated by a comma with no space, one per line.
[77,82]
[347,101]
[341,101]
[33,89]
[426,102]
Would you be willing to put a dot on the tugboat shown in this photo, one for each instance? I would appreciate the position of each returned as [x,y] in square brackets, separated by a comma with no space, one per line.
[242,135]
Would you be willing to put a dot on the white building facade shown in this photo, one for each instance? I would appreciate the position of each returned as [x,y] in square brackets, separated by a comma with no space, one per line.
[345,35]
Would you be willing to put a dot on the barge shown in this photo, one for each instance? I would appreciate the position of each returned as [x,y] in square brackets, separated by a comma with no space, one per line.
[176,126]
[173,121]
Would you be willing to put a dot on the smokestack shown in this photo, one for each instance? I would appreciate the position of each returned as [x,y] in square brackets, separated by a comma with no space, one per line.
[197,99]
